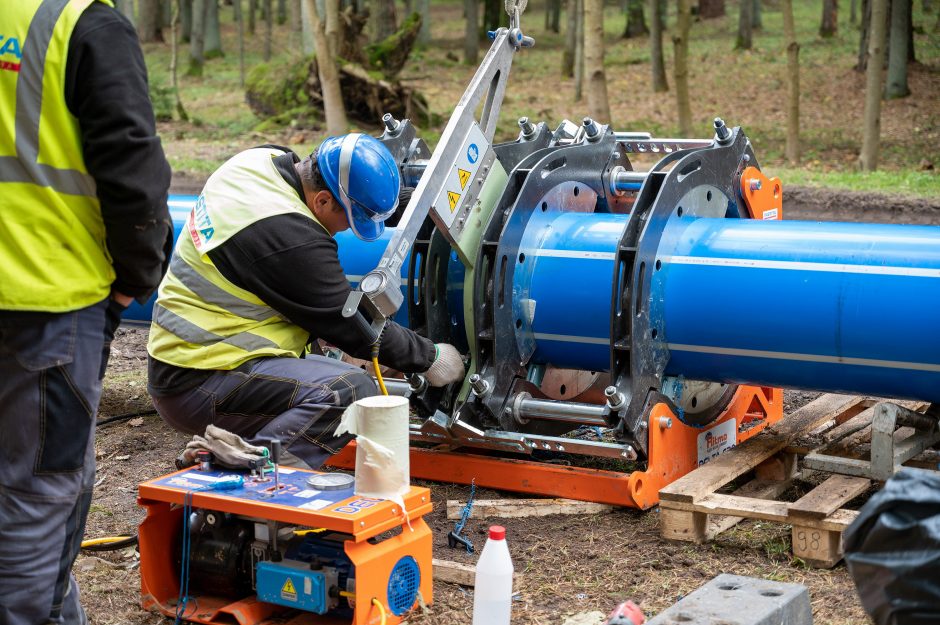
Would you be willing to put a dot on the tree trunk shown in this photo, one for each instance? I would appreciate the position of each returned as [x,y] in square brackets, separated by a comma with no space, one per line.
[657,64]
[709,9]
[757,22]
[332,28]
[186,20]
[197,38]
[333,108]
[830,19]
[174,60]
[471,33]
[494,15]
[240,25]
[680,43]
[910,32]
[306,34]
[579,53]
[636,22]
[745,29]
[252,14]
[853,12]
[424,9]
[863,37]
[382,18]
[281,11]
[213,39]
[896,86]
[268,29]
[148,23]
[295,20]
[571,37]
[598,104]
[127,8]
[793,83]
[868,159]
[553,15]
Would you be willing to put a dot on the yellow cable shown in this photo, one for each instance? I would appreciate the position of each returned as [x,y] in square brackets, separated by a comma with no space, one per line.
[103,540]
[347,594]
[381,608]
[378,374]
[315,530]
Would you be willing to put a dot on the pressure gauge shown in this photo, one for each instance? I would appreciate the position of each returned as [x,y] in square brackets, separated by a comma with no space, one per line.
[331,481]
[372,283]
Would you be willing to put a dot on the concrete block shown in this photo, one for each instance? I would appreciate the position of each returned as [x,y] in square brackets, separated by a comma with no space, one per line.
[739,600]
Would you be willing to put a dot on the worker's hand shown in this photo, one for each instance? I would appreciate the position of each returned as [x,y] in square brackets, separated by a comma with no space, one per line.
[447,366]
[230,450]
[120,298]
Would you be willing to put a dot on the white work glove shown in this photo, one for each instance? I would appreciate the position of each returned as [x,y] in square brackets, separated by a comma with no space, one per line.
[229,450]
[447,366]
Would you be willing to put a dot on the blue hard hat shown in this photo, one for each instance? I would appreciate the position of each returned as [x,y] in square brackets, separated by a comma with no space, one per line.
[362,175]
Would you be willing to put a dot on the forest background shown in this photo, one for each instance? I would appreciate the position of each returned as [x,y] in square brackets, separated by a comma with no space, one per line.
[241,79]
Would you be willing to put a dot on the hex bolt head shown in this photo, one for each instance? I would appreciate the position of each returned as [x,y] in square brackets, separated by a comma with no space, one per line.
[390,122]
[722,134]
[665,423]
[590,128]
[526,127]
[615,399]
[478,384]
[754,184]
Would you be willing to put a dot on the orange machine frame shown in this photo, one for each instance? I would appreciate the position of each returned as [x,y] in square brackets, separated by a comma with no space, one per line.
[673,452]
[159,575]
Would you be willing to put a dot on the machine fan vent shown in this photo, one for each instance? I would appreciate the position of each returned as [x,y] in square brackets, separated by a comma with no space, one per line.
[403,585]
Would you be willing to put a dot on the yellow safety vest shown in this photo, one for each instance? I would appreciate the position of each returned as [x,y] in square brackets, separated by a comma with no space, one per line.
[53,254]
[201,320]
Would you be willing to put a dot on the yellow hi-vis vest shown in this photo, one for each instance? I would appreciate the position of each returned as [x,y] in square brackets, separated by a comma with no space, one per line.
[53,255]
[200,319]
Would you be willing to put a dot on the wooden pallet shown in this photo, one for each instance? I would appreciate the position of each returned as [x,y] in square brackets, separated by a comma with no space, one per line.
[692,509]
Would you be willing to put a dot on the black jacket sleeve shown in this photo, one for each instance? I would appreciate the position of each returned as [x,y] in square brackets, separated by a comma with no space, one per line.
[106,89]
[291,263]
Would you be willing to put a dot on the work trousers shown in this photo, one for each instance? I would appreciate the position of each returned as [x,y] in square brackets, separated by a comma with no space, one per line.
[50,384]
[297,400]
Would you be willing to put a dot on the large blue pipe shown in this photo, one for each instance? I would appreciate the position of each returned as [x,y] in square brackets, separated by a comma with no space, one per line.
[840,307]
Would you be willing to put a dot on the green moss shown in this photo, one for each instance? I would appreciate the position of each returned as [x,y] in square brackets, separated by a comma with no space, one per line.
[390,54]
[273,89]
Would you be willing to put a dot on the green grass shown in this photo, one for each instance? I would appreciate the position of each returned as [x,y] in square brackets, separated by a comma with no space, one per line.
[916,183]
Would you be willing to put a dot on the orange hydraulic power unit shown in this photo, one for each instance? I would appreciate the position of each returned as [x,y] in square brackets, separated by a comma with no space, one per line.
[252,553]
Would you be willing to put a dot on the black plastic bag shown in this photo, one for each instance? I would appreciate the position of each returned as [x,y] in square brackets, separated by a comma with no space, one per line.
[893,550]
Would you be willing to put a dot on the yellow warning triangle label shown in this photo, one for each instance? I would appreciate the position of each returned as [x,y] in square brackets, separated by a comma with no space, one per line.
[288,587]
[464,176]
[453,198]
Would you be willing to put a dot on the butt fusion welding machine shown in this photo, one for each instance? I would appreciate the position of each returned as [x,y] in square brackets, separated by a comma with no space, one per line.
[663,309]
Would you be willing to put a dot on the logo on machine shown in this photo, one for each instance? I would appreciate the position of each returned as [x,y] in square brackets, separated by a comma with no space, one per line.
[473,153]
[10,47]
[200,226]
[718,439]
[289,591]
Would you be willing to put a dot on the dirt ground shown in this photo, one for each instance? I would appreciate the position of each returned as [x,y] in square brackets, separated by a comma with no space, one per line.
[568,565]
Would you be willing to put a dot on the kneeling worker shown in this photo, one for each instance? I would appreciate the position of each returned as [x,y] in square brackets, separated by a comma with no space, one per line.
[255,277]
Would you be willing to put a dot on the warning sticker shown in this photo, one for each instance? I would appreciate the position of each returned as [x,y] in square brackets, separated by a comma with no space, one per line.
[453,198]
[288,591]
[463,175]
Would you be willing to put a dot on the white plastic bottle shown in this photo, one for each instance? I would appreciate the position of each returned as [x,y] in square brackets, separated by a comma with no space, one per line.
[492,594]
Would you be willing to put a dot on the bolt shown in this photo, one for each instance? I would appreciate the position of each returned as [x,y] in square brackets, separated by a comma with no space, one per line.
[665,423]
[755,184]
[590,129]
[391,123]
[479,385]
[526,127]
[615,399]
[722,134]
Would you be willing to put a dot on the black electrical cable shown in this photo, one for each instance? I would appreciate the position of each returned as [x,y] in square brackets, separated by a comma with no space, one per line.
[125,417]
[130,541]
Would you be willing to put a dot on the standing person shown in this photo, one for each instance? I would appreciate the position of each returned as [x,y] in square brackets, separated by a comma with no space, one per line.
[84,229]
[255,277]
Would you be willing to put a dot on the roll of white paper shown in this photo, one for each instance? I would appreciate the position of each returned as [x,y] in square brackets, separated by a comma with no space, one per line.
[380,424]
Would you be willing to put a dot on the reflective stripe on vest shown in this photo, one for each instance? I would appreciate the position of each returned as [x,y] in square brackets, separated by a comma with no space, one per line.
[202,320]
[53,251]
